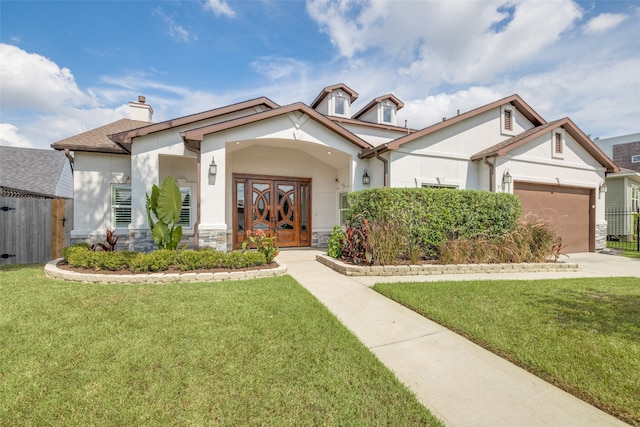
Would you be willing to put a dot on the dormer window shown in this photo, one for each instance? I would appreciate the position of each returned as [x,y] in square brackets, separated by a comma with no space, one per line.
[381,111]
[340,101]
[388,112]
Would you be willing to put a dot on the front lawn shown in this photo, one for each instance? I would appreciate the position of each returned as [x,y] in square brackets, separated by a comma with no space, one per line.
[256,352]
[580,334]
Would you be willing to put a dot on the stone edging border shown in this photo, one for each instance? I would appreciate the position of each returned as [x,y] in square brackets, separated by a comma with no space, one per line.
[51,270]
[431,269]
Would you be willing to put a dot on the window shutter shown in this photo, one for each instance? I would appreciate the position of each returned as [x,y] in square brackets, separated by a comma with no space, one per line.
[121,203]
[508,120]
[185,212]
[558,143]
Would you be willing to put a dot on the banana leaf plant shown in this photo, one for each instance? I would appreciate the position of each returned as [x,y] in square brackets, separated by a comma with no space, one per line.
[165,204]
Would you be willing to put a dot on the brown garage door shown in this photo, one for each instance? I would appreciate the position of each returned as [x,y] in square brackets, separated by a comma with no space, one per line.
[568,208]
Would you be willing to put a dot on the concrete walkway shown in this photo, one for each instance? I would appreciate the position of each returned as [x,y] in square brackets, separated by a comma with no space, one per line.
[460,382]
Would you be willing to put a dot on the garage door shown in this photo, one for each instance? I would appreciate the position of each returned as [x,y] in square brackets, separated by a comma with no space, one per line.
[568,208]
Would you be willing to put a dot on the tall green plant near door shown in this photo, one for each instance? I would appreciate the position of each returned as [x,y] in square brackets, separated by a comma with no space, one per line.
[165,204]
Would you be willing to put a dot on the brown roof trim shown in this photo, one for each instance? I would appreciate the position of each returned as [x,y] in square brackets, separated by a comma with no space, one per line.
[126,137]
[568,125]
[515,100]
[371,125]
[378,100]
[197,135]
[327,90]
[90,149]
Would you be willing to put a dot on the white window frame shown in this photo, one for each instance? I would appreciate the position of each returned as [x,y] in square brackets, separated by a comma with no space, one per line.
[563,144]
[635,158]
[115,206]
[340,98]
[387,106]
[187,196]
[342,208]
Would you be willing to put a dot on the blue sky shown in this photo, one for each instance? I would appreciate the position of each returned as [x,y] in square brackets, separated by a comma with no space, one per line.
[69,66]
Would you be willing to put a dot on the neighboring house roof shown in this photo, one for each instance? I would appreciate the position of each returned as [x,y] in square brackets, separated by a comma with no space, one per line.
[96,140]
[45,173]
[625,173]
[515,100]
[197,135]
[378,100]
[124,138]
[509,144]
[353,95]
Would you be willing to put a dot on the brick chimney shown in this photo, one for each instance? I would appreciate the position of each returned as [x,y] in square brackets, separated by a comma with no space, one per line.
[140,110]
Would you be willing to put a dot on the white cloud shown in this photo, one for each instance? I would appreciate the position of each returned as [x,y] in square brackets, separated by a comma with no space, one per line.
[276,68]
[453,41]
[604,22]
[176,31]
[29,80]
[9,136]
[219,7]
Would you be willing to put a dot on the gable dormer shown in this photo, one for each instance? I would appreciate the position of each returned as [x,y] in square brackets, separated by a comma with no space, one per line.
[381,110]
[335,100]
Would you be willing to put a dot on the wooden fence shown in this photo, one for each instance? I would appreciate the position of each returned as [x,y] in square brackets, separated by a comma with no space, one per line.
[33,230]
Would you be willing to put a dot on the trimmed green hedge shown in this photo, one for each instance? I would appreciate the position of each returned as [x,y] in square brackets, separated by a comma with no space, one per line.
[160,260]
[434,215]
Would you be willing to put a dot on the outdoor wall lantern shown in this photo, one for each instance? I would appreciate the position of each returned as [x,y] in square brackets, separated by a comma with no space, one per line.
[366,180]
[507,178]
[603,188]
[213,168]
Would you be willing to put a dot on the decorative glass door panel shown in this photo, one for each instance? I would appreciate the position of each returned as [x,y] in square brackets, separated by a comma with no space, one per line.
[287,224]
[261,206]
[278,206]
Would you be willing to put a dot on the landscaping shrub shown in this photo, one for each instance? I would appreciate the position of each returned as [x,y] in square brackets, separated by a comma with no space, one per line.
[388,240]
[433,216]
[533,240]
[81,256]
[335,241]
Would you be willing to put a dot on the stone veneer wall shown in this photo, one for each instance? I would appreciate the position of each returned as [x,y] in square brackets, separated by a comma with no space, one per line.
[213,239]
[601,236]
[135,240]
[319,239]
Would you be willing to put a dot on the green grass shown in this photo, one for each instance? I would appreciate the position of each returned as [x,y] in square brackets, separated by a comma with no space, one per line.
[256,352]
[580,334]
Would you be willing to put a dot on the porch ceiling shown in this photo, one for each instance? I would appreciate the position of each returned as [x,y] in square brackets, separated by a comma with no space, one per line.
[329,155]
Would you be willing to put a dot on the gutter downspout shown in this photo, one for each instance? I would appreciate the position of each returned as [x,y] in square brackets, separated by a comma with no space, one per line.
[386,167]
[196,226]
[492,174]
[70,157]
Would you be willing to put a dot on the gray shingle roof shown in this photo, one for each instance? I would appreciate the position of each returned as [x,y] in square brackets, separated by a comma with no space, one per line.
[38,172]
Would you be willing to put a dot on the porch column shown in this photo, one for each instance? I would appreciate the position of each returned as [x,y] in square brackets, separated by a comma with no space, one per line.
[213,229]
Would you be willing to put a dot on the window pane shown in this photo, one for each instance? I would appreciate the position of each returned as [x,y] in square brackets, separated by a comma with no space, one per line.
[339,105]
[387,113]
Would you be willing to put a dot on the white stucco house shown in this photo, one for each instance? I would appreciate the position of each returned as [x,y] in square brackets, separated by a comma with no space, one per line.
[287,169]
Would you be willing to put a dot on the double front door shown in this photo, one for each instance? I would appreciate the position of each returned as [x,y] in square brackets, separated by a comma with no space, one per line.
[279,206]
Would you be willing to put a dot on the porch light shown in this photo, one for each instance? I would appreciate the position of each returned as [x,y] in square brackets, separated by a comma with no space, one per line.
[507,178]
[603,188]
[213,168]
[366,180]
